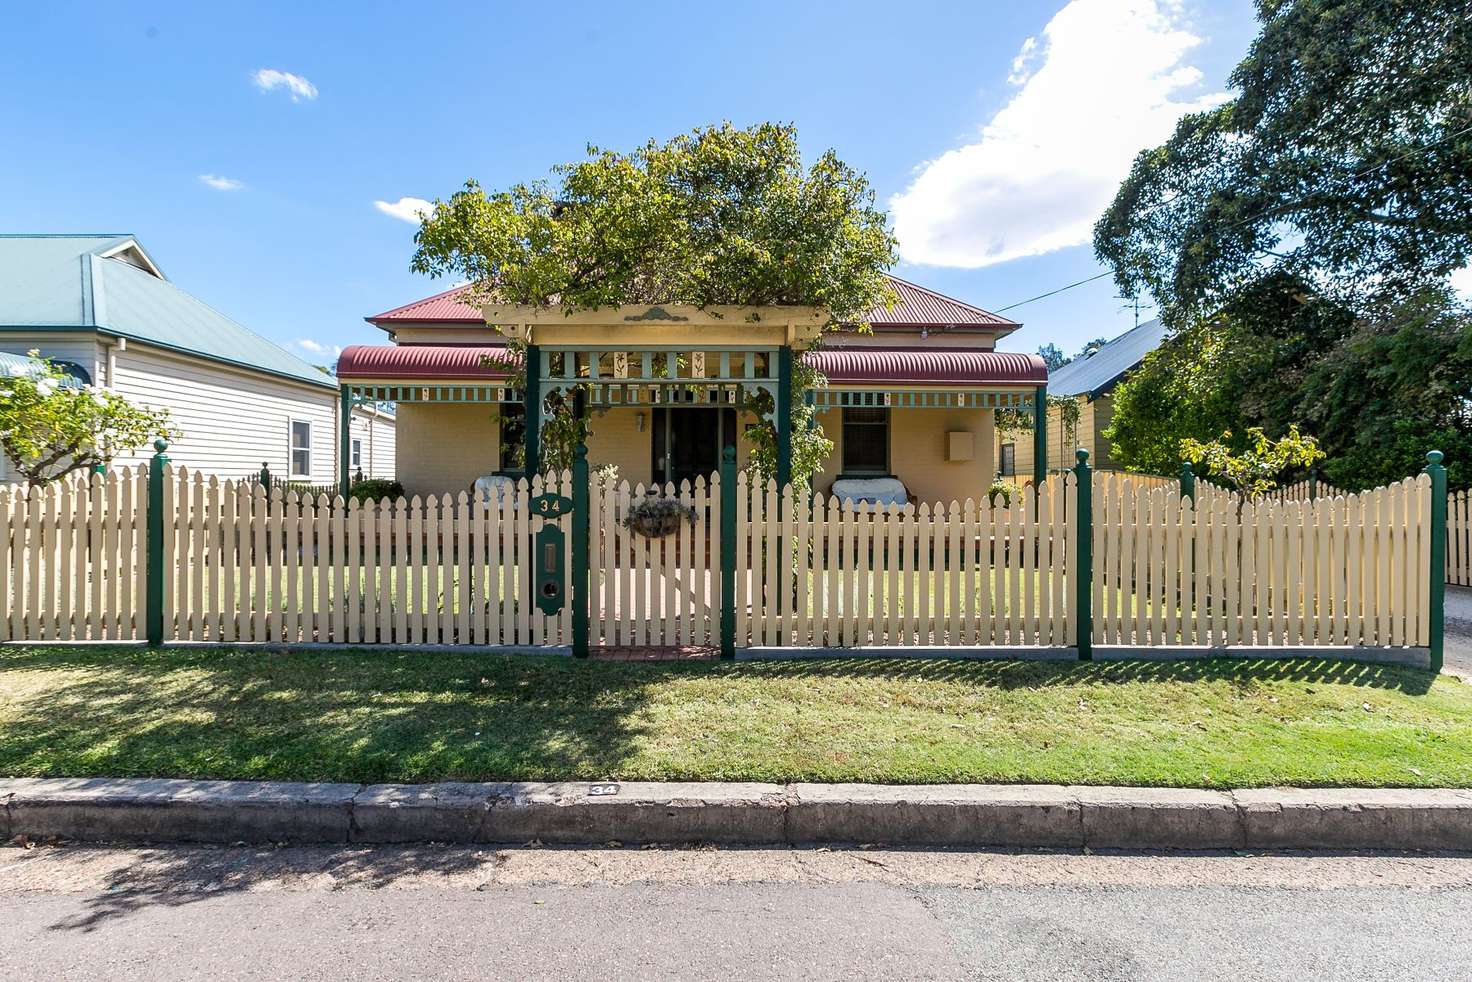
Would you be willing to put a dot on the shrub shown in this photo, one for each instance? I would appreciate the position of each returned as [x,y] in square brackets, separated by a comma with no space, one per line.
[376,489]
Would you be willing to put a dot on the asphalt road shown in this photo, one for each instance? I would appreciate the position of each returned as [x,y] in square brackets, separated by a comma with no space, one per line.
[529,913]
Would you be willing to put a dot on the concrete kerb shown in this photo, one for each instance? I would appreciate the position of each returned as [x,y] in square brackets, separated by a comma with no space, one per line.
[1044,816]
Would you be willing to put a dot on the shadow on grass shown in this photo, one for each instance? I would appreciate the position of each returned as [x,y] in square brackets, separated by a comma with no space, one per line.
[1011,675]
[365,717]
[177,878]
[372,715]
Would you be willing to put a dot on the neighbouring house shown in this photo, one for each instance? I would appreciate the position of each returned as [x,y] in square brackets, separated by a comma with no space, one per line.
[102,307]
[911,405]
[1090,382]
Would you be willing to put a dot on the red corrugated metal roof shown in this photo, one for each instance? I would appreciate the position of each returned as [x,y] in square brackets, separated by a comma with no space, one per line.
[928,366]
[917,307]
[921,307]
[420,361]
[910,366]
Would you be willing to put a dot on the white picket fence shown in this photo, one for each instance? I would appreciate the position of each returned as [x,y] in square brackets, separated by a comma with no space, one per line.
[1349,569]
[815,571]
[1459,538]
[72,558]
[655,592]
[240,565]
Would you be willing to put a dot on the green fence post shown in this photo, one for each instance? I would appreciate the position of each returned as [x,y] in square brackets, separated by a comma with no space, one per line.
[265,476]
[580,519]
[783,412]
[1083,597]
[1188,481]
[154,603]
[1040,438]
[1435,628]
[1313,485]
[728,553]
[344,443]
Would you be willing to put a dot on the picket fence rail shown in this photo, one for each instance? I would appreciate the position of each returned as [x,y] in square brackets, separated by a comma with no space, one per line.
[1131,563]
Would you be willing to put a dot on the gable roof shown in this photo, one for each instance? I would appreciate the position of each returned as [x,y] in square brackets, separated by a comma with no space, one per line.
[917,307]
[1096,374]
[110,284]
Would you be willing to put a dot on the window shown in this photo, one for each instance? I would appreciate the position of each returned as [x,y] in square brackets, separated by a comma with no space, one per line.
[866,441]
[513,438]
[1007,467]
[357,454]
[301,448]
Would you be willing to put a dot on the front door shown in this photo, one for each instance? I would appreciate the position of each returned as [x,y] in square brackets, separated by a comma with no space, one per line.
[687,442]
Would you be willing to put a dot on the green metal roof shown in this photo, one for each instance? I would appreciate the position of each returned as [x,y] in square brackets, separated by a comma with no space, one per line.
[67,282]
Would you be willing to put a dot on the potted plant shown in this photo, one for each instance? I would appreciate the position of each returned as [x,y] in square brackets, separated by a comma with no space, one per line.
[656,516]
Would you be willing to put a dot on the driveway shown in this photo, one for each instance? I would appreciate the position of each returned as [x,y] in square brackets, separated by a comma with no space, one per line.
[1459,631]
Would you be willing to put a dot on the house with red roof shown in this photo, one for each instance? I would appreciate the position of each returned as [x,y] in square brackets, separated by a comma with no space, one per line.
[910,406]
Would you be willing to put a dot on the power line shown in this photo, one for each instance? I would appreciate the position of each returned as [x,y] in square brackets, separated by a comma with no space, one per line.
[1241,221]
[1044,296]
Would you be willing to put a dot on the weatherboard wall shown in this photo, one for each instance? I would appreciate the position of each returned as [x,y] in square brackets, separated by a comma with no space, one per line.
[232,421]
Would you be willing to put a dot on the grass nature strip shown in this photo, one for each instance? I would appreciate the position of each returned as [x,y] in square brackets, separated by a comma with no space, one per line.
[376,715]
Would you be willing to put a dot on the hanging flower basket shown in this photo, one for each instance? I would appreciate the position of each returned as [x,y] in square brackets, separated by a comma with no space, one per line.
[656,517]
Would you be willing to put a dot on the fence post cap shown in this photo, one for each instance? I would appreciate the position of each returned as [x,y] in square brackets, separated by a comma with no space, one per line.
[1082,455]
[729,454]
[160,444]
[581,452]
[1435,457]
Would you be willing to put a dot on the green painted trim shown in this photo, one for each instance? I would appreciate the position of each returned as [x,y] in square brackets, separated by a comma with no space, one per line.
[1083,547]
[728,553]
[1188,481]
[437,393]
[532,399]
[580,581]
[154,605]
[838,397]
[784,416]
[1436,627]
[344,444]
[1040,437]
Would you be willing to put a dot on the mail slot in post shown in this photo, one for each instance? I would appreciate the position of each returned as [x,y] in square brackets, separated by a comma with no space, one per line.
[550,583]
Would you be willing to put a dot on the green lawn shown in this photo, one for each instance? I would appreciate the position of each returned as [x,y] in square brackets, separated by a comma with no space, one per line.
[374,715]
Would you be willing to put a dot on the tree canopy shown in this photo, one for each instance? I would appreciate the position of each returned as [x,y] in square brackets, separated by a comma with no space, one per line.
[720,215]
[1346,159]
[1377,389]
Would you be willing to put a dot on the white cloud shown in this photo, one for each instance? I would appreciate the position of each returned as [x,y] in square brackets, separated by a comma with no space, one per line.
[269,78]
[1461,281]
[1104,82]
[405,209]
[221,183]
[317,347]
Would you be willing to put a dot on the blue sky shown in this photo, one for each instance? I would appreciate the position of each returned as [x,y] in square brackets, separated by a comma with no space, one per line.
[246,144]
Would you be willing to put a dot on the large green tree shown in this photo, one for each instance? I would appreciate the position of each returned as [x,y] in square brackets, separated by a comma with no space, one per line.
[1346,158]
[1399,385]
[721,215]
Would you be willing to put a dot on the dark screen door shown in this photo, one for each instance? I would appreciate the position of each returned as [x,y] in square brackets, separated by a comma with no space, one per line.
[687,442]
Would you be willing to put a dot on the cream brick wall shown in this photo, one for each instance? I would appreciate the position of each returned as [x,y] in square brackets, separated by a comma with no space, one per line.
[917,452]
[446,447]
[442,448]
